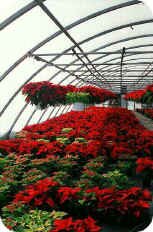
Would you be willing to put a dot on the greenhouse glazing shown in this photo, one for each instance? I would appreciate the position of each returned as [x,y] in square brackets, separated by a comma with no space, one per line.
[50,40]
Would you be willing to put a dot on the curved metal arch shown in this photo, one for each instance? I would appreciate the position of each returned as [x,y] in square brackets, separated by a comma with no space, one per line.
[44,66]
[56,107]
[136,37]
[74,24]
[43,113]
[18,14]
[51,112]
[114,70]
[30,117]
[145,58]
[63,109]
[58,111]
[15,121]
[116,58]
[117,28]
[132,47]
[94,60]
[114,29]
[119,59]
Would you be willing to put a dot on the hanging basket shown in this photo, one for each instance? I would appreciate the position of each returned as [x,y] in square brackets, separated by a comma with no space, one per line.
[78,106]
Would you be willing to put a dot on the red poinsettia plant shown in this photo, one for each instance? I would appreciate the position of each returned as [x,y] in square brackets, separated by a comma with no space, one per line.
[79,225]
[44,94]
[85,164]
[144,95]
[97,95]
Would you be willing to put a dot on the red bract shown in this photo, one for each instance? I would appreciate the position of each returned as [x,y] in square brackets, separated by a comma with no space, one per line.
[105,131]
[38,193]
[135,95]
[144,164]
[67,193]
[9,146]
[98,95]
[69,148]
[28,146]
[46,94]
[149,88]
[80,225]
[119,151]
[133,200]
[139,95]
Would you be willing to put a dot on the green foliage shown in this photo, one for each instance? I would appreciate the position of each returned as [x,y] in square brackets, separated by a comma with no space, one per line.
[67,130]
[80,140]
[63,139]
[116,178]
[46,165]
[32,176]
[63,178]
[35,221]
[3,162]
[73,97]
[147,98]
[126,167]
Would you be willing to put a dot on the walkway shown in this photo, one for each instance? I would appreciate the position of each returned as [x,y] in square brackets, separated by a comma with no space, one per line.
[146,122]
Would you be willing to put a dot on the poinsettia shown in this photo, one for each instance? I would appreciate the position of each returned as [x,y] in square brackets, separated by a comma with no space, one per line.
[144,95]
[45,93]
[37,193]
[80,225]
[144,164]
[82,163]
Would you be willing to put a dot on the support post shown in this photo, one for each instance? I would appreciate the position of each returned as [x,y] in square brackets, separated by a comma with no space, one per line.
[121,75]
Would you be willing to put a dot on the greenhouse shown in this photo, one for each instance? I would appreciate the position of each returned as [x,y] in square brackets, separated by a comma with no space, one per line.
[76,115]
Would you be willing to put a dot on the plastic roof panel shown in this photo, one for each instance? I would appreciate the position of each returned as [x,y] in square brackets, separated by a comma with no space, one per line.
[92,28]
[10,7]
[68,11]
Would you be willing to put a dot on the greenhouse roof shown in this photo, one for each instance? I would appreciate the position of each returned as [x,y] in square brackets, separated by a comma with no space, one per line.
[102,43]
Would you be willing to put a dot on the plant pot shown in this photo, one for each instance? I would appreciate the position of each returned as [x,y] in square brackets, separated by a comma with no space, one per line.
[78,106]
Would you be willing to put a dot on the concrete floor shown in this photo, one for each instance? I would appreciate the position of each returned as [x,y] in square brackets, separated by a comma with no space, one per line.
[146,122]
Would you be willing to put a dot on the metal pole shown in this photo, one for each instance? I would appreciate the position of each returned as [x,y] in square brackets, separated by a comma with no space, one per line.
[121,74]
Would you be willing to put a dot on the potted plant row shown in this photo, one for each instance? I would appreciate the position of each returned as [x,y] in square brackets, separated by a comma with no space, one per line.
[144,96]
[45,94]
